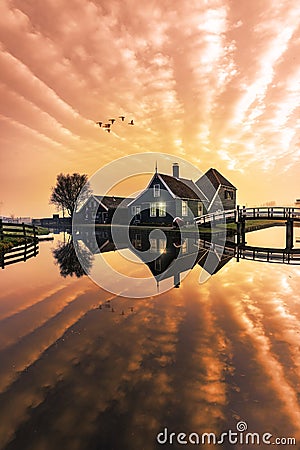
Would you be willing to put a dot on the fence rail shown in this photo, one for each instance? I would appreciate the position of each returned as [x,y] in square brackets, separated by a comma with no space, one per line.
[21,251]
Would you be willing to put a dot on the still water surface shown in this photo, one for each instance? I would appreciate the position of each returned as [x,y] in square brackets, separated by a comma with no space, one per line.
[81,368]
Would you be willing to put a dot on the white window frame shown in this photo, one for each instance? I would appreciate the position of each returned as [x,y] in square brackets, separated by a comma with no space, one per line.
[162,209]
[184,208]
[156,190]
[152,209]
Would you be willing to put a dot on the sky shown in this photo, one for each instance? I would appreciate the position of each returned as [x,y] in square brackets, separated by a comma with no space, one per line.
[214,82]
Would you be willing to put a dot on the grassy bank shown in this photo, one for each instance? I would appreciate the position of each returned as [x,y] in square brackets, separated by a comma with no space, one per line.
[9,242]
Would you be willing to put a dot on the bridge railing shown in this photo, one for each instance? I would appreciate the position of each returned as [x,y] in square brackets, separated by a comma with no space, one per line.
[269,213]
[279,213]
[223,216]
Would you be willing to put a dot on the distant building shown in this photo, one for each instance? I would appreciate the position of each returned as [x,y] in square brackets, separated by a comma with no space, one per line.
[54,222]
[167,197]
[220,192]
[10,219]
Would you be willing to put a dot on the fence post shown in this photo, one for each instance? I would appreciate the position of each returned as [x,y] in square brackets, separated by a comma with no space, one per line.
[24,234]
[34,239]
[1,230]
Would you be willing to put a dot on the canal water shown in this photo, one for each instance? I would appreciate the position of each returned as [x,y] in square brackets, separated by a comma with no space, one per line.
[83,368]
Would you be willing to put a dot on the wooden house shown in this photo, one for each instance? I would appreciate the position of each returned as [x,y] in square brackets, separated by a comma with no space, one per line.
[100,209]
[165,198]
[220,192]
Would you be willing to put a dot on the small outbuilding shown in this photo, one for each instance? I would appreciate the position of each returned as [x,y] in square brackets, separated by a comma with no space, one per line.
[220,192]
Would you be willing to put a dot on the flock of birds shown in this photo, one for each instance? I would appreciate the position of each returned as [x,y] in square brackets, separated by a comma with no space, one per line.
[107,126]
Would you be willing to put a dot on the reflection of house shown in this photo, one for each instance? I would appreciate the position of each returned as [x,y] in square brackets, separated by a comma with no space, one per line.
[167,255]
[99,241]
[167,197]
[99,209]
[220,192]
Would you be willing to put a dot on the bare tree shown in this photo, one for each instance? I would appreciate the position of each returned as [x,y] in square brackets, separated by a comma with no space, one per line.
[67,189]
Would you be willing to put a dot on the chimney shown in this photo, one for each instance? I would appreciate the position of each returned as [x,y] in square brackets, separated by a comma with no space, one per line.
[175,170]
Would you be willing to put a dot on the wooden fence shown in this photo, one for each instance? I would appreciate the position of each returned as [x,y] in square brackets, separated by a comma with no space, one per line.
[27,248]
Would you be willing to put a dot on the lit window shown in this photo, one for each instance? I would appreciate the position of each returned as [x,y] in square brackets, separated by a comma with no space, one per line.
[162,209]
[156,190]
[184,208]
[228,194]
[152,209]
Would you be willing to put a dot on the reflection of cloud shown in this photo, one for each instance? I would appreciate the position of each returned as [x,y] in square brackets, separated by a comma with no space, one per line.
[198,358]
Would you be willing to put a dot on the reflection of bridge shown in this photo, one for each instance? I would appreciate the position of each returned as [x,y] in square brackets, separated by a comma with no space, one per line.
[240,215]
[239,251]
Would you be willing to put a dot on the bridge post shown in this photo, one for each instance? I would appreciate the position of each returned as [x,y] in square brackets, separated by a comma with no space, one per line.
[238,225]
[243,231]
[289,235]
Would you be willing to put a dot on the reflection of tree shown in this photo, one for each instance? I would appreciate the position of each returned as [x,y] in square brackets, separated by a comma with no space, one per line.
[69,264]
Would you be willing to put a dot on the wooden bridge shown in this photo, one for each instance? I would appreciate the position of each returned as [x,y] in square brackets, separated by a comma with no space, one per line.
[241,215]
[27,248]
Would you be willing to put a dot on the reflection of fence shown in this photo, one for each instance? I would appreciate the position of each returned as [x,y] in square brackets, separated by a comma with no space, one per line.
[20,253]
[24,249]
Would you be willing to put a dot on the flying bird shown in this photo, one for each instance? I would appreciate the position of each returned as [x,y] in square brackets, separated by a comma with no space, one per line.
[108,130]
[112,121]
[122,118]
[99,123]
[106,125]
[131,122]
